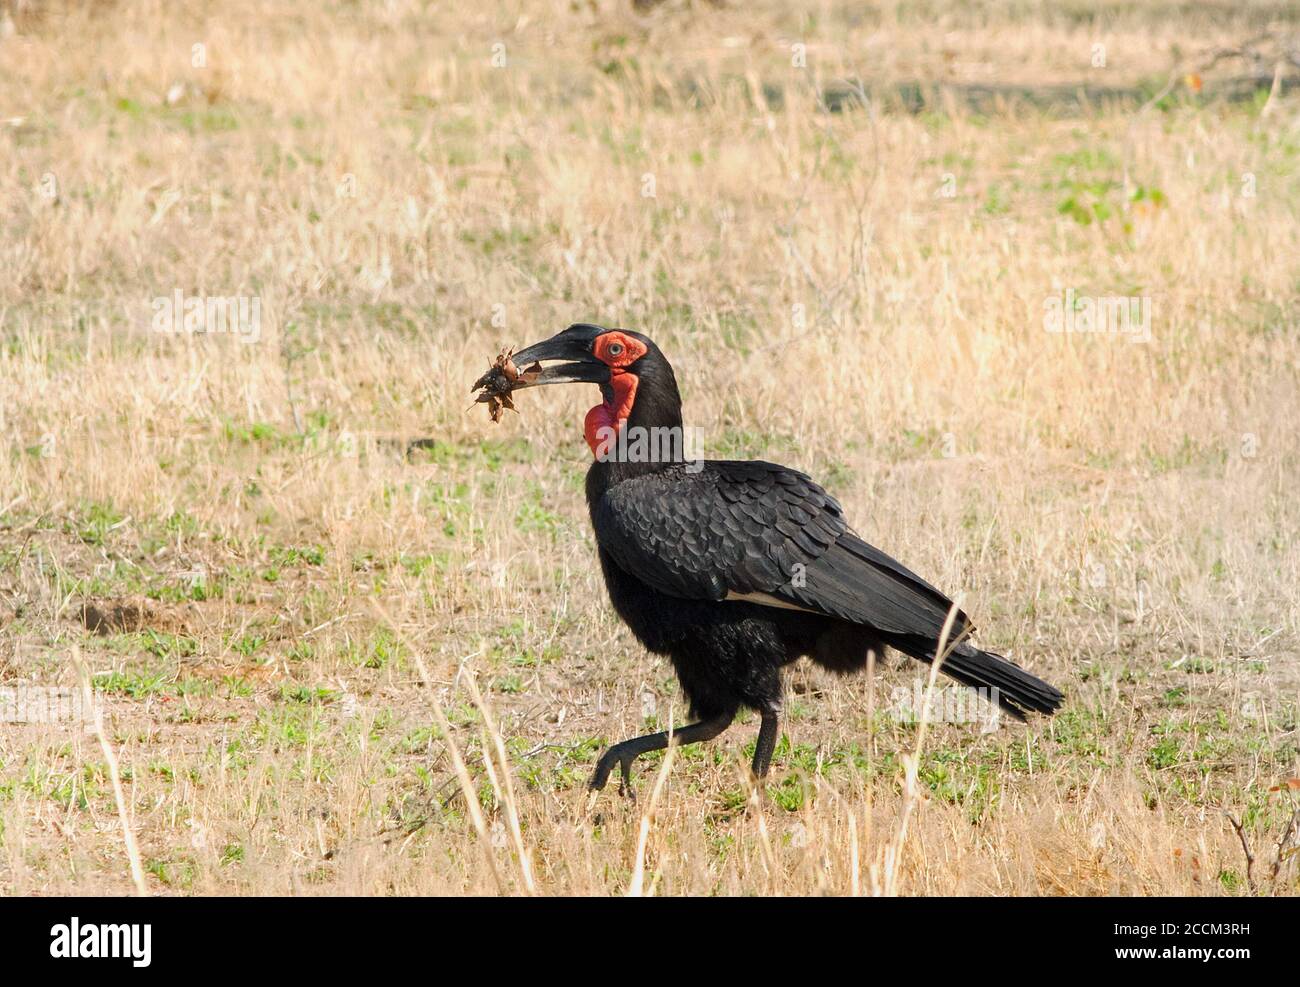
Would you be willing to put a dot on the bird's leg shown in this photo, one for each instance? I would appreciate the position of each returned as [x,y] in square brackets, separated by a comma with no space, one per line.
[767,733]
[629,750]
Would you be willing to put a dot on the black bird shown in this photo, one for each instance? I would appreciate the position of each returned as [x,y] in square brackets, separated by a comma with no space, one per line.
[735,569]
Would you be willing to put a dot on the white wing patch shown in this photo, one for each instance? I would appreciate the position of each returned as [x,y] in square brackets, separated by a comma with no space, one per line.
[763,599]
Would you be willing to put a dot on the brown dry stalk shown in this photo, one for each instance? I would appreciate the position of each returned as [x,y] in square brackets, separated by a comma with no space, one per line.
[467,789]
[894,850]
[114,775]
[636,886]
[507,796]
[468,792]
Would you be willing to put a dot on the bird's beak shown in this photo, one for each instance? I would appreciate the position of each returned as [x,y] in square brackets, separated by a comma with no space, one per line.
[581,366]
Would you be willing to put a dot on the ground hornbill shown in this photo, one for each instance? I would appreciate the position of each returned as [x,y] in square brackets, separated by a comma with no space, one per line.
[735,569]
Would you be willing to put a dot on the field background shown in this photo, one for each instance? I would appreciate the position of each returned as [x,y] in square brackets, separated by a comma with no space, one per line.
[289,564]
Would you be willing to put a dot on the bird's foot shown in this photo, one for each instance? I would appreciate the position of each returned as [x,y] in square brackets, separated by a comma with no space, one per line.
[606,764]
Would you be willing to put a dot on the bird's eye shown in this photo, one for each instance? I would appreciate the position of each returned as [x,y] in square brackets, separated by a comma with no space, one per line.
[615,349]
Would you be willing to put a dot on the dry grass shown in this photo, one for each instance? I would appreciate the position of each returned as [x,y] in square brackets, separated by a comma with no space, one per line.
[284,610]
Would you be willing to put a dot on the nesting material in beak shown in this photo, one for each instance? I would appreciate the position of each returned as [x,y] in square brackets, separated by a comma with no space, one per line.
[501,379]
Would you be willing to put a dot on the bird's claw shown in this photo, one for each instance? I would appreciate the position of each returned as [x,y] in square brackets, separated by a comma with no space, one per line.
[603,768]
[625,783]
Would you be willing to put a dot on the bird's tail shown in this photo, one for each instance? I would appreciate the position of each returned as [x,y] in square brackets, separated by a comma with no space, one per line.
[1016,690]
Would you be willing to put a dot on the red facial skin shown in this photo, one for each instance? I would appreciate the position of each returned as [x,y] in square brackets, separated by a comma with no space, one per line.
[604,421]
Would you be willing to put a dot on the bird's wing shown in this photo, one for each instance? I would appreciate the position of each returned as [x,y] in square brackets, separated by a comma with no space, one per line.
[730,528]
[766,534]
[863,585]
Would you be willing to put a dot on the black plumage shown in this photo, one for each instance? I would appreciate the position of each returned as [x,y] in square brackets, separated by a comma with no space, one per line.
[735,569]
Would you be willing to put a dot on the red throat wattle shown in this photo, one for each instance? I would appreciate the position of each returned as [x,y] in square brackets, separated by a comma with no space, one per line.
[606,420]
[618,351]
